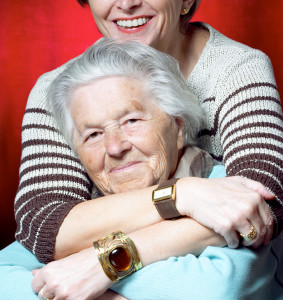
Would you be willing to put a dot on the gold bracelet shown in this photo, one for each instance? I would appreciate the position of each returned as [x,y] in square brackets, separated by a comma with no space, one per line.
[117,255]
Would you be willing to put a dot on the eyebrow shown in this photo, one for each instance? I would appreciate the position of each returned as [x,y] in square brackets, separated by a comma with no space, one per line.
[135,106]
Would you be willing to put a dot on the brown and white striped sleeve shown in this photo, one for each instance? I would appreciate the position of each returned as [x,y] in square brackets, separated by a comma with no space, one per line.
[250,123]
[52,179]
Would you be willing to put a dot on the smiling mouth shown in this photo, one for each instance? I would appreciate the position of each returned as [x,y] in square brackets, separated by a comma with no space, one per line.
[135,23]
[124,167]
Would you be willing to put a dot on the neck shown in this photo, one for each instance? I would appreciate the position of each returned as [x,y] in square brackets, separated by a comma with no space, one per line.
[180,155]
[187,48]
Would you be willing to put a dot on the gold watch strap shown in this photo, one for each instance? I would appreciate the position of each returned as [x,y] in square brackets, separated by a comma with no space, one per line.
[167,207]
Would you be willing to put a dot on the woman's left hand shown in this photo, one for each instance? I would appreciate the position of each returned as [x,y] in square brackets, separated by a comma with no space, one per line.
[78,276]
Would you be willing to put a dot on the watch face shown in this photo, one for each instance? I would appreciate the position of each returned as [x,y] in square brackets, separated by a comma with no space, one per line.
[163,193]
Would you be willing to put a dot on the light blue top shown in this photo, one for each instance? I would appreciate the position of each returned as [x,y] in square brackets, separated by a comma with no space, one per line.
[215,275]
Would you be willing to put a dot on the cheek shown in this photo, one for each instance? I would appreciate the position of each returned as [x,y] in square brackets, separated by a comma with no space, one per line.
[153,145]
[165,152]
[94,163]
[100,9]
[159,159]
[101,181]
[92,160]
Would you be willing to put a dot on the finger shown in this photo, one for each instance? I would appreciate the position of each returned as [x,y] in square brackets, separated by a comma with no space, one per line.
[226,229]
[254,223]
[258,187]
[269,232]
[232,239]
[45,295]
[260,233]
[35,271]
[250,236]
[38,282]
[262,221]
[258,242]
[268,222]
[41,295]
[260,230]
[48,295]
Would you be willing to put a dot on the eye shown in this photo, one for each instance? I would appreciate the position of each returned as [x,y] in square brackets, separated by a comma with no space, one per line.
[131,121]
[94,135]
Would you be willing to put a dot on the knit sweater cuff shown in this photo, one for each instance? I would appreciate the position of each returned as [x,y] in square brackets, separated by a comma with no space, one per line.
[40,234]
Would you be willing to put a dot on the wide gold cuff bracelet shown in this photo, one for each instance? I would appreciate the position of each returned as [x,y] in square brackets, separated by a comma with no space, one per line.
[117,255]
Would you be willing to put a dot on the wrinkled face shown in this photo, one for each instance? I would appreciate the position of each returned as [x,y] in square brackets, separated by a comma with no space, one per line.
[152,22]
[124,140]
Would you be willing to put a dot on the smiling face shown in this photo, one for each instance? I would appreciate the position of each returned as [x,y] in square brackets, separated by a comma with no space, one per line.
[122,137]
[155,23]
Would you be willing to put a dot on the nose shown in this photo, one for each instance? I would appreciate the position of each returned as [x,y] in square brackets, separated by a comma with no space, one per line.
[128,4]
[116,143]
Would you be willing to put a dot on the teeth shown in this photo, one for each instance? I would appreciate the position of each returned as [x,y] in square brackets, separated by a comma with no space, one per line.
[132,23]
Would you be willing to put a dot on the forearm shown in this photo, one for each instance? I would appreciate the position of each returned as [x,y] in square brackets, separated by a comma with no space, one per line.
[132,213]
[154,243]
[173,238]
[134,210]
[52,179]
[259,156]
[218,273]
[251,130]
[91,220]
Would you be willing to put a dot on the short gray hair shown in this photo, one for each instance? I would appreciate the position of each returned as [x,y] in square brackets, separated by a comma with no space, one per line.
[108,58]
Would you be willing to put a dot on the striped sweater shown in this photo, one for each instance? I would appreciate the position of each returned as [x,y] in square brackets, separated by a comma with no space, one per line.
[237,91]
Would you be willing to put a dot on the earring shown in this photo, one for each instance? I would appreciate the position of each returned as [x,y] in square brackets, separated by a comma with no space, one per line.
[185,11]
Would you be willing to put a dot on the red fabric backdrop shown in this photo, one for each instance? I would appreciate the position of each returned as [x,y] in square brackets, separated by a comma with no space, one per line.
[37,36]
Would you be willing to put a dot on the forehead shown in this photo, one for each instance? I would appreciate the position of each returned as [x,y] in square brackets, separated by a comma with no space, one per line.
[114,90]
[111,98]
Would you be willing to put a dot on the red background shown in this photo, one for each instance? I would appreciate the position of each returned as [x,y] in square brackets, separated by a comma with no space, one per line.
[38,36]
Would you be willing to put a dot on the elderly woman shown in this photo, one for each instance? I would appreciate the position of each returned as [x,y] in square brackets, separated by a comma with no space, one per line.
[130,117]
[242,130]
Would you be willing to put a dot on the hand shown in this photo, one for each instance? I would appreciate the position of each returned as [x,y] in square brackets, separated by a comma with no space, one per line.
[228,206]
[78,276]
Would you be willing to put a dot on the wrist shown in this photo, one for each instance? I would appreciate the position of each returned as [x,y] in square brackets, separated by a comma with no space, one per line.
[100,276]
[117,255]
[183,195]
[164,199]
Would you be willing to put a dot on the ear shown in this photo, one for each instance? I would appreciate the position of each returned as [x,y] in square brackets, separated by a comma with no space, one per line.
[180,131]
[186,6]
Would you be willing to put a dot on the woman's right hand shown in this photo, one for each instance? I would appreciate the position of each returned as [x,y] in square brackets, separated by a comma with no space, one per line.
[78,276]
[228,206]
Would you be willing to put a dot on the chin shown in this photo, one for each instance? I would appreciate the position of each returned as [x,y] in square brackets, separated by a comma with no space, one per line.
[141,37]
[132,184]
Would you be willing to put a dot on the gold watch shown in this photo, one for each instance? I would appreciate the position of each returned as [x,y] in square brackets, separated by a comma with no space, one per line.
[164,199]
[117,255]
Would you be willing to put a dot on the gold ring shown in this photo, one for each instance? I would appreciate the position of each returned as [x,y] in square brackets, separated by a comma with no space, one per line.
[251,235]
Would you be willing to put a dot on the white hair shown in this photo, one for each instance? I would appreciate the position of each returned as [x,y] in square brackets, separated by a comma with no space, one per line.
[108,58]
